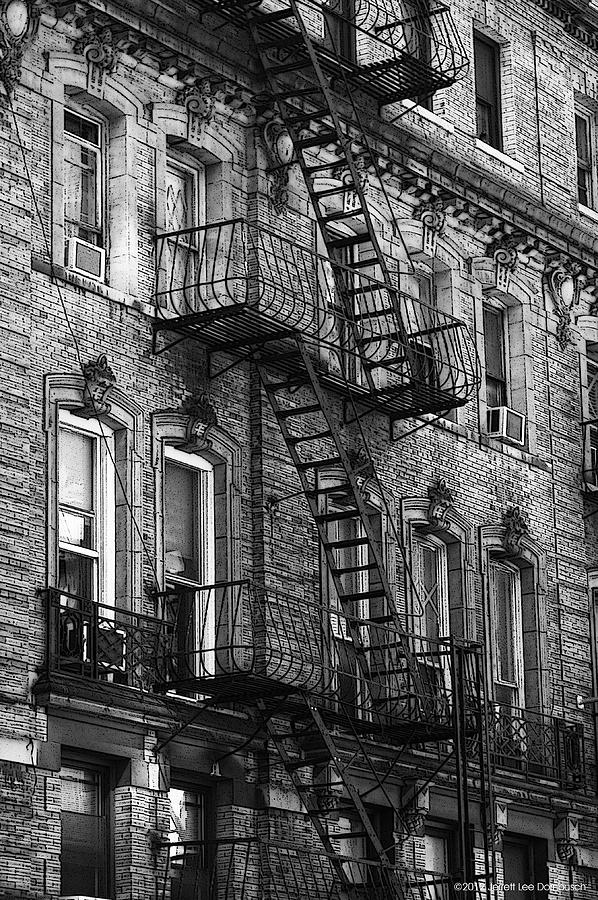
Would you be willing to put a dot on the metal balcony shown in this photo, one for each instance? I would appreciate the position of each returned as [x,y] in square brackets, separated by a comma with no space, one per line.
[223,641]
[234,286]
[387,57]
[537,746]
[249,869]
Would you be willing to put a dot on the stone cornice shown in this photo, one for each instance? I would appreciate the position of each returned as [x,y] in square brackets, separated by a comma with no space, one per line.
[578,19]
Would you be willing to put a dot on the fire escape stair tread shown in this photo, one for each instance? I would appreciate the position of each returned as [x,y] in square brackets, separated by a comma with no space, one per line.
[342,214]
[345,544]
[306,438]
[338,515]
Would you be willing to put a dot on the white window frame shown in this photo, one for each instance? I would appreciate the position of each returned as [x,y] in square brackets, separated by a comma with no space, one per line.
[105,493]
[583,112]
[518,685]
[440,548]
[99,150]
[205,614]
[197,173]
[503,309]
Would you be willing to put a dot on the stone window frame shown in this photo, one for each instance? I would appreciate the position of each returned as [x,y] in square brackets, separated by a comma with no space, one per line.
[531,561]
[219,448]
[457,534]
[587,108]
[122,113]
[517,304]
[125,419]
[587,334]
[507,91]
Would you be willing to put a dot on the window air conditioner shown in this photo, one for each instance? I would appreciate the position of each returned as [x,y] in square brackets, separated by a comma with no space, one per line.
[506,424]
[86,259]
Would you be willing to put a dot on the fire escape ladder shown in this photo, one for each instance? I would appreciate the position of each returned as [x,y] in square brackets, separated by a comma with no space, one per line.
[313,747]
[305,418]
[314,105]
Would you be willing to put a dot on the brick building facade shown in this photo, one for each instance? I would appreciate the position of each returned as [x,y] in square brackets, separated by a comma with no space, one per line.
[299,449]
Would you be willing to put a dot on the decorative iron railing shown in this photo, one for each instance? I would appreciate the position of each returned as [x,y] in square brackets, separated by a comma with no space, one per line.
[249,869]
[102,642]
[538,746]
[235,269]
[223,640]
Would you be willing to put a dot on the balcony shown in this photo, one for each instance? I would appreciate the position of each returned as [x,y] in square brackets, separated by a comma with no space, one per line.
[233,286]
[387,58]
[225,642]
[250,869]
[537,746]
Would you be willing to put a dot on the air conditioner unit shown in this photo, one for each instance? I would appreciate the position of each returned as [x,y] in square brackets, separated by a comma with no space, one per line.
[86,259]
[506,424]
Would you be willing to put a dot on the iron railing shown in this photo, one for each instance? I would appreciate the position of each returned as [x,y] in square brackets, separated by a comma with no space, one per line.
[101,642]
[249,869]
[225,641]
[537,745]
[253,284]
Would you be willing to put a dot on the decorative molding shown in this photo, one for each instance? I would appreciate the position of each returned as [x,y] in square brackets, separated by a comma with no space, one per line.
[516,528]
[199,101]
[280,152]
[343,174]
[565,278]
[99,382]
[433,217]
[411,821]
[201,417]
[98,47]
[19,24]
[441,500]
[504,252]
[501,822]
[566,836]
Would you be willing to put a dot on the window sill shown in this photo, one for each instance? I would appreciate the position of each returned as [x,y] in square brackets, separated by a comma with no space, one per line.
[516,452]
[66,276]
[429,116]
[501,157]
[587,212]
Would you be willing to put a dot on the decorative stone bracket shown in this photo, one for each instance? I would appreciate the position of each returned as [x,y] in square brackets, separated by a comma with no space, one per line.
[566,835]
[19,23]
[501,821]
[505,254]
[280,151]
[202,416]
[411,822]
[199,101]
[441,500]
[99,381]
[433,217]
[98,46]
[516,528]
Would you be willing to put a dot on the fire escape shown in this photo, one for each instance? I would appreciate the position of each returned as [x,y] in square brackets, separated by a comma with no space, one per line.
[324,329]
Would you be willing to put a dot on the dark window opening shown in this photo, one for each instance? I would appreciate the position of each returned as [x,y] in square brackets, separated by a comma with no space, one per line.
[85,855]
[487,87]
[495,352]
[585,166]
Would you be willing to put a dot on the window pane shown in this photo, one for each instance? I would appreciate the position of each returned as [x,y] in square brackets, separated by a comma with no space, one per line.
[77,574]
[84,855]
[76,469]
[187,816]
[505,599]
[181,202]
[81,128]
[582,137]
[436,853]
[82,184]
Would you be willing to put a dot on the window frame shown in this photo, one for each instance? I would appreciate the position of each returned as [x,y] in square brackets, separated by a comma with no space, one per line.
[104,487]
[419,541]
[498,310]
[103,771]
[588,166]
[590,417]
[198,175]
[492,104]
[517,686]
[100,151]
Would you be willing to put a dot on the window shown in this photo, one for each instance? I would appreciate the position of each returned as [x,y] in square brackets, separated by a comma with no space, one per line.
[505,588]
[487,87]
[423,321]
[185,211]
[86,509]
[188,831]
[495,349]
[83,181]
[439,849]
[431,578]
[189,557]
[591,418]
[584,140]
[85,845]
[524,863]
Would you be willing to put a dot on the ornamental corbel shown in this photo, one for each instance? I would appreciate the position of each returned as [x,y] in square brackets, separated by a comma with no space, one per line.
[202,416]
[433,218]
[351,199]
[441,500]
[566,836]
[280,151]
[504,252]
[501,821]
[565,279]
[516,528]
[199,102]
[411,821]
[98,48]
[99,381]
[19,23]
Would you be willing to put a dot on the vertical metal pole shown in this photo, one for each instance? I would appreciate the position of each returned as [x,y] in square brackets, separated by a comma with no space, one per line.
[465,844]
